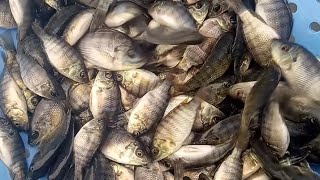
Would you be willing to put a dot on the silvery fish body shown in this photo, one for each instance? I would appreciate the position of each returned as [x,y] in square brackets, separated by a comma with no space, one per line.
[277,15]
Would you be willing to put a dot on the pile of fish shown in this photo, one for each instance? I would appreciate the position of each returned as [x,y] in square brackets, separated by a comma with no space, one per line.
[145,90]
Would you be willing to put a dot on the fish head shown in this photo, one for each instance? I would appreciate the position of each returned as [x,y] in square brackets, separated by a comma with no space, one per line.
[32,102]
[226,21]
[161,148]
[130,57]
[284,53]
[241,90]
[34,137]
[19,118]
[52,91]
[217,8]
[78,72]
[138,155]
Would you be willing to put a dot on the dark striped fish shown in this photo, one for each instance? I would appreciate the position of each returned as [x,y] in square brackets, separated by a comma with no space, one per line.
[277,15]
[257,33]
[65,59]
[138,81]
[152,171]
[86,142]
[149,109]
[79,97]
[216,65]
[174,129]
[221,132]
[100,168]
[12,101]
[12,150]
[231,167]
[105,97]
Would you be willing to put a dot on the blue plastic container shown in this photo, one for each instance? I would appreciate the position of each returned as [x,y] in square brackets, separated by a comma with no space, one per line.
[306,31]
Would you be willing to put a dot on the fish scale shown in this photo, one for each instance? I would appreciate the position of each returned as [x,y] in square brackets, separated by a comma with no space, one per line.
[6,17]
[176,127]
[277,15]
[258,44]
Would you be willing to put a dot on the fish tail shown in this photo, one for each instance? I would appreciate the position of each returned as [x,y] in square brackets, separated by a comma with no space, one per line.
[39,31]
[178,169]
[6,41]
[236,5]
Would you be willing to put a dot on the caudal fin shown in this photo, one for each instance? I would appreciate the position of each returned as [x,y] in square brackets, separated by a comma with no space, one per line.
[236,5]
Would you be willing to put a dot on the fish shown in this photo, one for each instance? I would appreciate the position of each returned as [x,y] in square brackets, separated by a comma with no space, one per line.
[7,20]
[216,65]
[86,143]
[60,19]
[199,11]
[299,67]
[174,128]
[47,118]
[37,79]
[31,46]
[138,81]
[256,101]
[31,98]
[122,172]
[82,118]
[214,93]
[172,14]
[258,35]
[221,132]
[196,156]
[121,147]
[231,167]
[100,14]
[274,130]
[22,11]
[127,100]
[13,103]
[79,97]
[78,26]
[49,149]
[149,172]
[12,150]
[204,173]
[149,109]
[135,27]
[276,14]
[65,157]
[160,34]
[63,57]
[217,7]
[122,13]
[100,167]
[168,55]
[212,29]
[105,97]
[120,52]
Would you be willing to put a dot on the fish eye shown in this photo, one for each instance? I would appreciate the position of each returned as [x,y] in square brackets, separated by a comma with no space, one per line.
[239,93]
[155,151]
[136,133]
[83,74]
[53,93]
[285,48]
[108,75]
[216,7]
[233,19]
[198,5]
[203,141]
[119,77]
[227,84]
[34,101]
[131,53]
[35,135]
[139,153]
[16,123]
